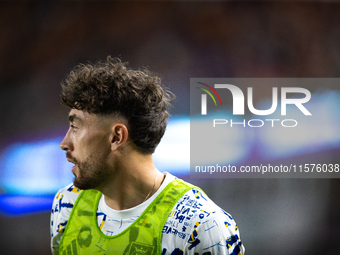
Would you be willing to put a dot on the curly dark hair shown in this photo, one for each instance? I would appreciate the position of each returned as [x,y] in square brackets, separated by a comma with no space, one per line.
[108,87]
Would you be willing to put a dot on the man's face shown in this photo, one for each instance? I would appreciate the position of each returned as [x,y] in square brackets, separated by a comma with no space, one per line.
[87,145]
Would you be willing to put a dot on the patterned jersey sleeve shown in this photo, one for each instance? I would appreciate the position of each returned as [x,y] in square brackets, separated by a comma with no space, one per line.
[62,205]
[197,226]
[215,232]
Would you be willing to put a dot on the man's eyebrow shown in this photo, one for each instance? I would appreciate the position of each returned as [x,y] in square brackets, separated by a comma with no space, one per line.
[73,117]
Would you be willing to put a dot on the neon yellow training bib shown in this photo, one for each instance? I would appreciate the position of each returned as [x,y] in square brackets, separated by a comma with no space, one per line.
[83,236]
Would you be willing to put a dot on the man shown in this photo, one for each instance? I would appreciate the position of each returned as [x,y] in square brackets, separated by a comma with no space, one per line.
[119,203]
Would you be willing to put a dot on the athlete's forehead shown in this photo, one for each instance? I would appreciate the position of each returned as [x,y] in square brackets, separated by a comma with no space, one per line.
[90,119]
[82,117]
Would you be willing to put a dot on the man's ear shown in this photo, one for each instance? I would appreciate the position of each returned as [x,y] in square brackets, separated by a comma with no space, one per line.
[118,136]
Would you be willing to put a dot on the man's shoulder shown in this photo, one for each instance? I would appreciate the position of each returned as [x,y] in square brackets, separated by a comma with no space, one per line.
[196,223]
[65,198]
[69,191]
[202,208]
[63,203]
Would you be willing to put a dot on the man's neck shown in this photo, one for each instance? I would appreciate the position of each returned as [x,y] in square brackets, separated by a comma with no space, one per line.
[133,182]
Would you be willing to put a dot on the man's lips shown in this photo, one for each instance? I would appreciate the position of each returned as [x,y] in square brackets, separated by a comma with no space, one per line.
[73,168]
[72,161]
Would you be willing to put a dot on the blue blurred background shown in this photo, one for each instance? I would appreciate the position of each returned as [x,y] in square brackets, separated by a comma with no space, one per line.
[41,41]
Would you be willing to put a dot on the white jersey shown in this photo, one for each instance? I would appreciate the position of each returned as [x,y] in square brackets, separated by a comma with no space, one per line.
[195,225]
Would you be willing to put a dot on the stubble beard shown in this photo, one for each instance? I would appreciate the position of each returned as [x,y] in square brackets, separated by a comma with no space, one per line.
[92,173]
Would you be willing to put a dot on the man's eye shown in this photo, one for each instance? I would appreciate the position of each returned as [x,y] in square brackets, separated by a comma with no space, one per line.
[73,127]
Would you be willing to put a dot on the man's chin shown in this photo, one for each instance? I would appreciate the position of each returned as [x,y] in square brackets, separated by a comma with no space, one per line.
[79,184]
[83,184]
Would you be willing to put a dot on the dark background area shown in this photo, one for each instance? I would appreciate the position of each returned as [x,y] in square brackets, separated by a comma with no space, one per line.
[41,41]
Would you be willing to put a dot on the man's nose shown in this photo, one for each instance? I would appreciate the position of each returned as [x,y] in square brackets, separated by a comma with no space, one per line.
[66,143]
